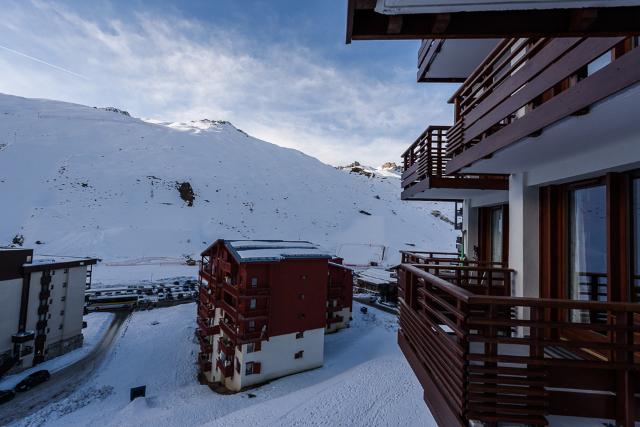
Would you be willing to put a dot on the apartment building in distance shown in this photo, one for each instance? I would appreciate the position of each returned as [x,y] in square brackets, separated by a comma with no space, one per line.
[264,307]
[538,317]
[41,306]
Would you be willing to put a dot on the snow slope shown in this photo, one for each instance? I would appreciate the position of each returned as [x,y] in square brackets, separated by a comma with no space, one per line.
[365,381]
[86,181]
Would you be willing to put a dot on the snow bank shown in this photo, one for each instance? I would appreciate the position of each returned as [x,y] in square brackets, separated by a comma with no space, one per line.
[365,381]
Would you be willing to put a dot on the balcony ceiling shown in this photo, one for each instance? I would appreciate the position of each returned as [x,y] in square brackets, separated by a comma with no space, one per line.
[605,139]
[439,19]
[451,60]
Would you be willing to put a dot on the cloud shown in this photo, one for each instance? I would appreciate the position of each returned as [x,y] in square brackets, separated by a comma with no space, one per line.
[172,68]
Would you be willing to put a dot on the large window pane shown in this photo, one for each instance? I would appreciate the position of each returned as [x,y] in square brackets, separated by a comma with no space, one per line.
[496,235]
[588,251]
[635,292]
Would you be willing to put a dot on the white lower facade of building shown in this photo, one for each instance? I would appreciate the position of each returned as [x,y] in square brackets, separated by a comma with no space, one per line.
[277,357]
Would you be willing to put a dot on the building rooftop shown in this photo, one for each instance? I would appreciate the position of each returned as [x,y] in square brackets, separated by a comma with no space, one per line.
[40,262]
[376,276]
[274,250]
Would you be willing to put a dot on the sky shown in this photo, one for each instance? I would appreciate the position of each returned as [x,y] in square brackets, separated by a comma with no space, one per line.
[277,69]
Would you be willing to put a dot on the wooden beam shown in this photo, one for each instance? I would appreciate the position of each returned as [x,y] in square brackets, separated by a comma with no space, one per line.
[364,23]
[394,25]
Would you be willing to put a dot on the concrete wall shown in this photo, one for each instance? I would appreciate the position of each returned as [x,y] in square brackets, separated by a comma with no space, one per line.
[277,358]
[10,296]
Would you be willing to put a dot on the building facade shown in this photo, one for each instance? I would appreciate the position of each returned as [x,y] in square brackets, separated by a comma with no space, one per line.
[264,307]
[42,304]
[537,316]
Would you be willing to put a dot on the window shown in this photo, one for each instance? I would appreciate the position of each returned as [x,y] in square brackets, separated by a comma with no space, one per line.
[251,347]
[249,368]
[61,312]
[66,271]
[301,297]
[63,299]
[51,287]
[303,277]
[64,284]
[254,282]
[588,250]
[252,368]
[298,354]
[252,303]
[299,335]
[237,365]
[252,325]
[496,234]
[60,327]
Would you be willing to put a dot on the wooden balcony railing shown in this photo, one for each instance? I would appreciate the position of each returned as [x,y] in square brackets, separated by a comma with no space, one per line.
[516,360]
[225,367]
[204,363]
[425,161]
[527,84]
[444,258]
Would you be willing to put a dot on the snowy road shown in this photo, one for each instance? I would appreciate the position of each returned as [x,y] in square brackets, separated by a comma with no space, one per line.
[63,382]
[365,381]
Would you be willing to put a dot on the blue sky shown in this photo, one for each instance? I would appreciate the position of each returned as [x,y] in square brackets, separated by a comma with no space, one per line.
[278,69]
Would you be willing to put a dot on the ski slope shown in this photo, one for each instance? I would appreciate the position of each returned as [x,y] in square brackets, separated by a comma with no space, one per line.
[85,181]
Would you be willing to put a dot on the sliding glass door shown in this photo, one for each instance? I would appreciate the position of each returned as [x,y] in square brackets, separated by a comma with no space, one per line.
[587,264]
[635,219]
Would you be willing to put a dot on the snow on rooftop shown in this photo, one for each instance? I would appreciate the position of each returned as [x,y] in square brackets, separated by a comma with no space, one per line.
[240,244]
[44,259]
[274,250]
[376,275]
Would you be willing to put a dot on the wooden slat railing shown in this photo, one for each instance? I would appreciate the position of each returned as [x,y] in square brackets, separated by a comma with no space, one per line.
[520,76]
[427,159]
[508,359]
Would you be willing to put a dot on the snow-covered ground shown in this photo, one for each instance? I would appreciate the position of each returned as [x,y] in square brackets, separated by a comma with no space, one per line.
[97,326]
[365,381]
[84,181]
[135,272]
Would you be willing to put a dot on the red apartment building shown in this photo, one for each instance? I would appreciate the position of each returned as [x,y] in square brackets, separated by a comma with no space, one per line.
[264,307]
[537,317]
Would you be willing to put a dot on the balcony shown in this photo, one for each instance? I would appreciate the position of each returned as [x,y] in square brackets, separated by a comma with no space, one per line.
[206,329]
[44,295]
[526,85]
[204,363]
[205,345]
[43,309]
[334,319]
[502,359]
[226,368]
[206,312]
[246,313]
[226,347]
[425,177]
[207,275]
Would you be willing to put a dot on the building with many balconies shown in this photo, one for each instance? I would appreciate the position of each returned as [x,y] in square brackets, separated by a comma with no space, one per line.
[41,306]
[264,308]
[536,317]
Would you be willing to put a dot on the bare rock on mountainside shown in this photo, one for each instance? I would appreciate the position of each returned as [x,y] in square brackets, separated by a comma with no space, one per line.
[116,110]
[391,166]
[186,192]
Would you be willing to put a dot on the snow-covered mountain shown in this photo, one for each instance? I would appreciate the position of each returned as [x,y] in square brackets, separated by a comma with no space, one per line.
[87,181]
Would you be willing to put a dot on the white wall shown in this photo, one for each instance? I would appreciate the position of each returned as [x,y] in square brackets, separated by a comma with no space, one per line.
[277,358]
[524,236]
[10,296]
